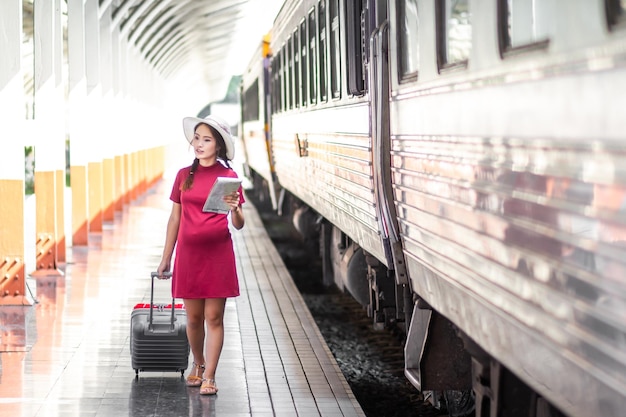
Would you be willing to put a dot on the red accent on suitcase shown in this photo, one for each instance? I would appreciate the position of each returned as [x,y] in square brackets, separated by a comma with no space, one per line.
[157,306]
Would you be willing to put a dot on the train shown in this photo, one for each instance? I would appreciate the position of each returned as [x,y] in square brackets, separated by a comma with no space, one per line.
[462,165]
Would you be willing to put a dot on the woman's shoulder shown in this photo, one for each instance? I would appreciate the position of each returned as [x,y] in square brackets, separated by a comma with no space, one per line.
[182,174]
[184,170]
[225,171]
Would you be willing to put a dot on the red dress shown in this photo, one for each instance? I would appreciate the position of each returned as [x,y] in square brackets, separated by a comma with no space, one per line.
[204,265]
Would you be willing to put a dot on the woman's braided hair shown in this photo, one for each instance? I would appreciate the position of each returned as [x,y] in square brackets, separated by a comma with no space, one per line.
[221,154]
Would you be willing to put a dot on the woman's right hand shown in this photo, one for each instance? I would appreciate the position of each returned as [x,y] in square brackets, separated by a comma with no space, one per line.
[164,267]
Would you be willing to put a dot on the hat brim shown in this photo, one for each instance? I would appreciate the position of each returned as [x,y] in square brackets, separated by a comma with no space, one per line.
[189,126]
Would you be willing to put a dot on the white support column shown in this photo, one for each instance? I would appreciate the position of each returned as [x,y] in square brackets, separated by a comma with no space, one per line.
[108,130]
[12,116]
[125,119]
[49,136]
[118,132]
[78,126]
[61,83]
[135,109]
[12,120]
[96,118]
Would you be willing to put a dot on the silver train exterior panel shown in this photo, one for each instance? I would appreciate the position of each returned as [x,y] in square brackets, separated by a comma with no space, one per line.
[483,162]
[509,184]
[334,173]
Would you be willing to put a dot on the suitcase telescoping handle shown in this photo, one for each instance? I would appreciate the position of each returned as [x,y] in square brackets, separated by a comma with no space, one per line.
[154,275]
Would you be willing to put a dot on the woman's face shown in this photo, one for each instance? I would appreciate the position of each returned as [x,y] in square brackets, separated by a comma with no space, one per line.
[204,145]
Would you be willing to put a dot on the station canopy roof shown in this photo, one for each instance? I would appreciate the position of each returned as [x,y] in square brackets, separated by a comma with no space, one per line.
[197,44]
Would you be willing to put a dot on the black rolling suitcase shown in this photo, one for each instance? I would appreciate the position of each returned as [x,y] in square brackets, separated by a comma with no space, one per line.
[158,336]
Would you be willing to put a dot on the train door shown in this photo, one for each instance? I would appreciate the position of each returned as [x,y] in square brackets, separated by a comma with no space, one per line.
[435,358]
[255,125]
[378,86]
[272,184]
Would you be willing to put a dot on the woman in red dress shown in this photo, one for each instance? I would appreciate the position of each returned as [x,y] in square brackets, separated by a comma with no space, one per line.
[204,272]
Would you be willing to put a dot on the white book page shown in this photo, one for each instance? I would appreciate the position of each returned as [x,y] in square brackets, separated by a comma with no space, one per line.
[215,201]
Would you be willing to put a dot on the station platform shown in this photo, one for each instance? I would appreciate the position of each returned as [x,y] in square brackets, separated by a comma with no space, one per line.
[68,354]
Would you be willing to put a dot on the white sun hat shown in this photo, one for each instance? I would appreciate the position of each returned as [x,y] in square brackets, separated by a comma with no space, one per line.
[190,123]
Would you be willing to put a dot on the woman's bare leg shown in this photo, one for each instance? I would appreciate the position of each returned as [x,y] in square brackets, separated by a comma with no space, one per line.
[195,329]
[214,318]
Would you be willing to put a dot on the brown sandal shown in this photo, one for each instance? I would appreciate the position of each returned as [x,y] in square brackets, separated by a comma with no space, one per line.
[195,377]
[208,387]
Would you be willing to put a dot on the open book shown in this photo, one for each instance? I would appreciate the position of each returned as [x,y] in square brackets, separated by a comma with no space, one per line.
[215,201]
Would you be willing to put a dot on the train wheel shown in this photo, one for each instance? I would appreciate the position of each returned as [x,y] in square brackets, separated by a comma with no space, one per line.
[260,190]
[328,275]
[455,403]
[460,403]
[544,409]
[500,392]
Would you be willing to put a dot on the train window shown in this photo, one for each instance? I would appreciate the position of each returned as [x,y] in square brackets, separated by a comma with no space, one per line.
[289,74]
[285,75]
[355,44]
[281,78]
[312,57]
[454,33]
[303,63]
[335,53]
[408,48]
[525,24]
[251,102]
[321,18]
[616,13]
[274,89]
[273,84]
[296,68]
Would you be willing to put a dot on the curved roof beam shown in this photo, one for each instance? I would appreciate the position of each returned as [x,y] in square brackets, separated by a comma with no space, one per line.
[164,32]
[180,45]
[205,18]
[190,29]
[138,13]
[118,13]
[177,44]
[104,5]
[188,14]
[154,54]
[153,21]
[155,35]
[170,63]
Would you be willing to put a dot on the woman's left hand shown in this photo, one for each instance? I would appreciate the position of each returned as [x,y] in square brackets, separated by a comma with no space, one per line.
[236,214]
[232,200]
